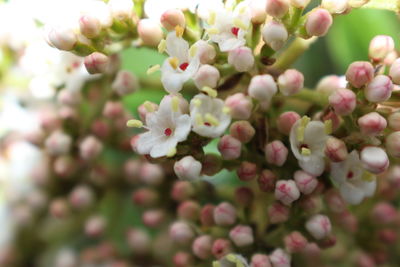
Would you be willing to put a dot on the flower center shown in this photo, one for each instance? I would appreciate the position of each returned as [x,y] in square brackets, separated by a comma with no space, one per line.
[207,124]
[184,66]
[168,132]
[350,175]
[235,31]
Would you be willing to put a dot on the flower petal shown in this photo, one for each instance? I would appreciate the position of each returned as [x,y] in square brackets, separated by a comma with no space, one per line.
[351,194]
[315,165]
[162,149]
[177,47]
[183,128]
[146,142]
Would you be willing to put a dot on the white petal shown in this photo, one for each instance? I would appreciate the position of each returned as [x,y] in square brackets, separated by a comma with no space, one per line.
[177,47]
[315,165]
[351,194]
[161,149]
[146,142]
[183,128]
[315,136]
[369,188]
[231,44]
[171,79]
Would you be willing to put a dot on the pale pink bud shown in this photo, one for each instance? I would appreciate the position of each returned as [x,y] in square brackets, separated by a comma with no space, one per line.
[311,204]
[151,174]
[244,196]
[286,120]
[90,26]
[380,46]
[187,168]
[181,233]
[335,119]
[68,97]
[172,18]
[64,166]
[276,153]
[394,71]
[318,22]
[62,38]
[257,11]
[242,235]
[275,34]
[189,210]
[97,63]
[279,258]
[225,214]
[277,8]
[201,247]
[305,182]
[290,82]
[212,163]
[299,3]
[206,52]
[364,260]
[90,148]
[357,3]
[335,149]
[207,215]
[262,87]
[138,240]
[58,143]
[95,226]
[240,106]
[260,260]
[343,101]
[182,190]
[242,130]
[329,84]
[335,201]
[360,73]
[207,75]
[286,191]
[153,218]
[125,83]
[379,89]
[266,181]
[81,197]
[335,6]
[150,32]
[384,213]
[319,226]
[295,242]
[278,213]
[183,259]
[374,159]
[121,9]
[247,171]
[146,109]
[388,236]
[372,124]
[221,247]
[394,121]
[394,176]
[229,147]
[59,208]
[393,144]
[241,59]
[144,197]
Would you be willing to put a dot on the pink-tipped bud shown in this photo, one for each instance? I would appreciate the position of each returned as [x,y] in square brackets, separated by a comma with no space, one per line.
[279,258]
[206,52]
[146,109]
[374,159]
[59,208]
[241,59]
[286,120]
[139,241]
[257,11]
[335,201]
[266,181]
[244,196]
[183,259]
[62,38]
[181,233]
[290,82]
[335,6]
[242,235]
[394,71]
[319,226]
[277,8]
[145,197]
[295,242]
[379,89]
[172,18]
[221,247]
[90,26]
[95,226]
[150,32]
[121,9]
[372,124]
[394,121]
[286,191]
[247,171]
[393,144]
[201,247]
[364,260]
[262,87]
[81,197]
[229,147]
[225,214]
[343,101]
[305,182]
[240,106]
[335,149]
[97,63]
[189,210]
[153,218]
[182,190]
[278,213]
[58,143]
[388,236]
[380,47]
[276,153]
[360,73]
[125,83]
[242,130]
[64,166]
[384,213]
[274,34]
[394,176]
[90,148]
[329,84]
[260,260]
[151,174]
[318,22]
[187,168]
[207,75]
[207,215]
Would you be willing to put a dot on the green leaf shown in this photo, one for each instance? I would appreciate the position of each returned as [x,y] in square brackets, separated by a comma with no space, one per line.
[393,5]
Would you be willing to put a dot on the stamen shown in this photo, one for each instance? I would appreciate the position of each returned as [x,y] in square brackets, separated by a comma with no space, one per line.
[199,119]
[209,91]
[211,119]
[240,24]
[179,31]
[212,31]
[226,110]
[174,62]
[304,121]
[300,133]
[171,153]
[175,104]
[153,69]
[193,51]
[134,124]
[162,46]
[196,102]
[368,177]
[216,264]
[211,18]
[148,106]
[305,151]
[328,126]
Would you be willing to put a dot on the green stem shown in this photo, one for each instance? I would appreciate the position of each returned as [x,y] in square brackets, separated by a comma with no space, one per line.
[312,96]
[295,19]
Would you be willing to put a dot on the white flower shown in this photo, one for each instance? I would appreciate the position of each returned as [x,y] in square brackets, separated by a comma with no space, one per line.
[209,116]
[231,260]
[166,128]
[354,182]
[229,28]
[181,65]
[307,140]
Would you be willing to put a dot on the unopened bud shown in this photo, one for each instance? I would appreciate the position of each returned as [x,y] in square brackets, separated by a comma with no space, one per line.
[97,63]
[121,9]
[90,26]
[188,168]
[335,149]
[144,197]
[329,84]
[279,258]
[153,218]
[247,171]
[206,52]
[278,213]
[207,215]
[207,75]
[257,11]
[343,101]
[183,259]
[393,144]
[260,260]
[242,130]
[286,120]
[318,22]
[277,8]
[64,166]
[262,87]
[221,247]
[384,213]
[242,235]
[229,147]
[276,153]
[241,59]
[68,97]
[266,181]
[181,233]
[379,89]
[372,124]
[150,32]
[125,83]
[139,241]
[394,121]
[319,226]
[182,190]
[380,47]
[374,159]
[201,247]
[335,6]
[240,106]
[305,182]
[295,242]
[81,197]
[151,174]
[172,18]
[244,196]
[189,210]
[90,148]
[225,214]
[95,226]
[275,34]
[62,38]
[394,71]
[360,73]
[290,82]
[335,201]
[59,208]
[212,163]
[286,191]
[58,143]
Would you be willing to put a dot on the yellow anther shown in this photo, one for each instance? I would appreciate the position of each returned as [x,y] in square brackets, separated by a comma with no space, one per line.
[211,119]
[211,18]
[242,10]
[300,133]
[175,104]
[172,152]
[153,69]
[240,24]
[134,124]
[199,119]
[216,264]
[304,121]
[196,102]
[368,177]
[328,126]
[209,91]
[305,151]
[174,62]
[179,30]
[193,51]
[149,106]
[212,31]
[239,264]
[226,110]
[231,257]
[162,46]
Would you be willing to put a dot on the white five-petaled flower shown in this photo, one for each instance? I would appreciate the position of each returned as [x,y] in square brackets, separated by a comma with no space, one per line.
[182,63]
[210,117]
[354,182]
[307,140]
[166,128]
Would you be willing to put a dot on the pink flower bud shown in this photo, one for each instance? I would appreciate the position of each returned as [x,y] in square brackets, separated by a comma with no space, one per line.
[189,210]
[394,176]
[139,241]
[394,121]
[380,46]
[58,143]
[379,89]
[372,124]
[286,191]
[244,196]
[335,6]
[201,247]
[242,130]
[290,82]
[172,18]
[97,63]
[121,9]
[295,242]
[305,182]
[276,153]
[64,166]
[62,38]
[81,197]
[393,144]
[90,148]
[125,83]
[394,71]
[343,101]
[207,75]
[318,22]
[364,260]
[384,213]
[150,32]
[151,174]
[257,11]
[95,226]
[68,97]
[286,120]
[242,235]
[278,213]
[187,168]
[207,215]
[335,201]
[182,190]
[266,181]
[388,236]
[144,197]
[240,106]
[153,218]
[329,84]
[311,204]
[206,52]
[247,171]
[229,147]
[360,73]
[181,233]
[212,163]
[319,226]
[260,260]
[374,159]
[59,208]
[241,59]
[274,34]
[335,149]
[277,8]
[262,87]
[225,214]
[279,258]
[183,259]
[90,26]
[221,247]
